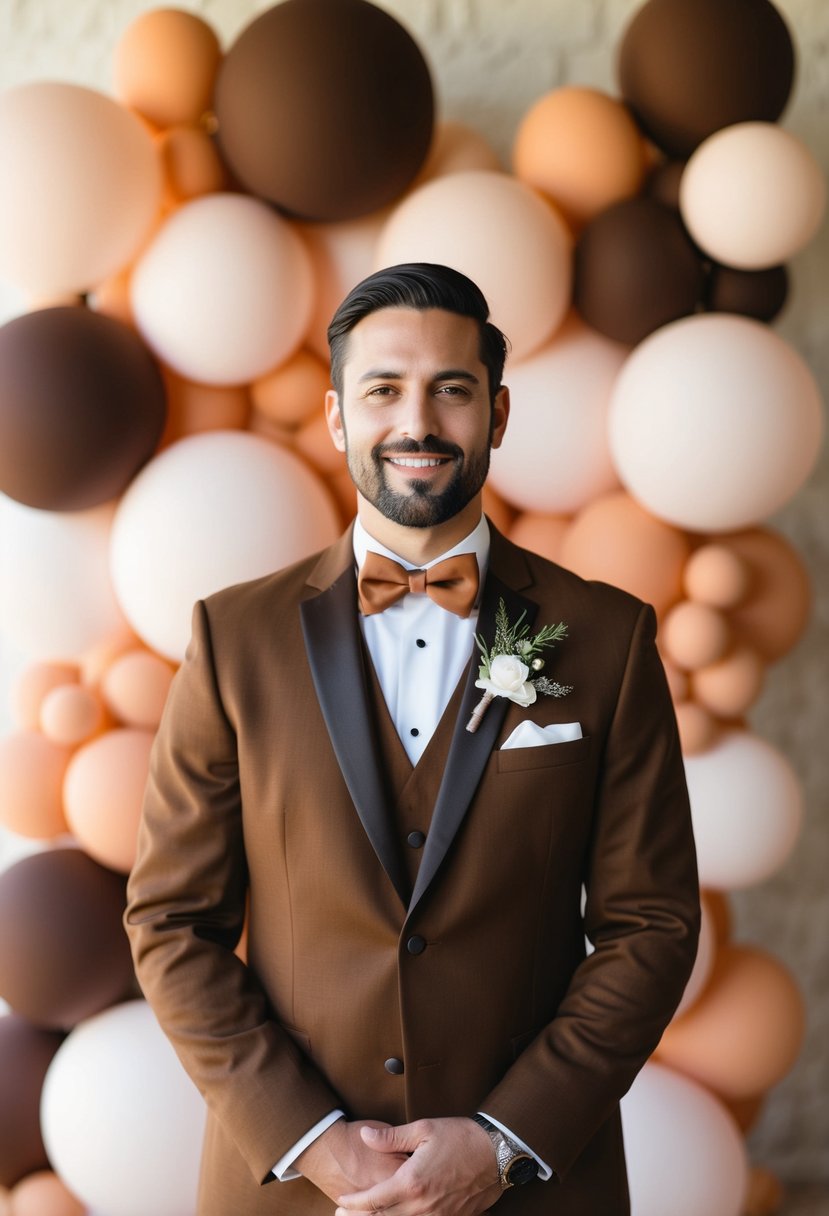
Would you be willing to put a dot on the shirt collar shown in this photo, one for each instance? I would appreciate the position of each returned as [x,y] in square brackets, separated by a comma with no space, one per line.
[476,542]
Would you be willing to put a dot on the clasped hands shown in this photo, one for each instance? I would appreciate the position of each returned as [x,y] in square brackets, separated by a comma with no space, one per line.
[433,1167]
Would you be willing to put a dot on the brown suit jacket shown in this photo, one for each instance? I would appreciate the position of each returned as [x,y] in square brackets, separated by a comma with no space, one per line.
[266,796]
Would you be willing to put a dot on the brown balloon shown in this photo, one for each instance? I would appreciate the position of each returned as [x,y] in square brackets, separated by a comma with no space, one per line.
[760,294]
[635,270]
[689,67]
[82,407]
[325,108]
[26,1051]
[662,183]
[63,953]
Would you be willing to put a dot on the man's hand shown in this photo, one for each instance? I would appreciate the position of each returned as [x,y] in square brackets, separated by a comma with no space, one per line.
[340,1161]
[450,1171]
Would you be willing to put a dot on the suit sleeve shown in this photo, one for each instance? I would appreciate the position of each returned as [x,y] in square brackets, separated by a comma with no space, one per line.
[185,914]
[641,915]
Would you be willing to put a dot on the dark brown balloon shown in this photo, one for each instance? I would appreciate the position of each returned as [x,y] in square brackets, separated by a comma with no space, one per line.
[64,955]
[751,293]
[26,1051]
[325,108]
[82,407]
[689,67]
[635,270]
[663,183]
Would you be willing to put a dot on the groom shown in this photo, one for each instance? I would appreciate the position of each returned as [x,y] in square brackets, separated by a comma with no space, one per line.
[419,1025]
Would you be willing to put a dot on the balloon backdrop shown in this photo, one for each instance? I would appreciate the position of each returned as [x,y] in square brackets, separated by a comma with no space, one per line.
[775,613]
[44,1194]
[325,108]
[32,769]
[704,963]
[25,1054]
[165,65]
[103,792]
[70,715]
[122,1122]
[135,686]
[82,407]
[752,293]
[33,684]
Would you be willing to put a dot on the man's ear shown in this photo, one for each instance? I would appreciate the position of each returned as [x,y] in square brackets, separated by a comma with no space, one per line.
[334,419]
[500,415]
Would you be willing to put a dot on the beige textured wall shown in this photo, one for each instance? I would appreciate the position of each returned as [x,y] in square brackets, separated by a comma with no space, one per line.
[491,60]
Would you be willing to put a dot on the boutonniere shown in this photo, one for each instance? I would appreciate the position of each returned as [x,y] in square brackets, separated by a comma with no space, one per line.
[512,666]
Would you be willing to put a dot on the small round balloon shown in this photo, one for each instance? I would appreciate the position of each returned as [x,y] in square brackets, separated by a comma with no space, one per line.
[103,794]
[165,66]
[325,108]
[773,614]
[26,1052]
[751,293]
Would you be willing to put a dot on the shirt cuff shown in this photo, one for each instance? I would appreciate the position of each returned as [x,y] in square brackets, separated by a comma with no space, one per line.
[544,1170]
[283,1169]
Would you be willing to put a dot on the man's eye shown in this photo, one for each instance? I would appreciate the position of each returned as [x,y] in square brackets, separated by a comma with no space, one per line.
[380,390]
[453,390]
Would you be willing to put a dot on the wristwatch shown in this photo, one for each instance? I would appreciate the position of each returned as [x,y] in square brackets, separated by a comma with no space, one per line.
[515,1166]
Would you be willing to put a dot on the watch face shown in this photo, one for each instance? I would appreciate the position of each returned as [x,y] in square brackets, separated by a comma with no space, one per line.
[520,1170]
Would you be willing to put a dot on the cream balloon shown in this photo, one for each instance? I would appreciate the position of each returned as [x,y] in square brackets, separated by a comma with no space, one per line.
[224,291]
[752,195]
[555,457]
[80,188]
[714,422]
[500,233]
[703,964]
[746,807]
[211,510]
[122,1122]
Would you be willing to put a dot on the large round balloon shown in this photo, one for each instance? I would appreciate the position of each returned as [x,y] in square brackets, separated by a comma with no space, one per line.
[26,1052]
[80,187]
[500,233]
[32,769]
[82,407]
[689,67]
[165,65]
[746,807]
[715,422]
[211,510]
[635,270]
[224,291]
[752,196]
[58,565]
[103,793]
[325,108]
[122,1122]
[773,614]
[555,456]
[63,952]
[671,1125]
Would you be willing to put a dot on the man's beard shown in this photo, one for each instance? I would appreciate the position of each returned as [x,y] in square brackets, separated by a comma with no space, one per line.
[420,507]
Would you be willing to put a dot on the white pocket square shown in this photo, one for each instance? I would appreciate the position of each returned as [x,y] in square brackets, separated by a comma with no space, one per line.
[529,734]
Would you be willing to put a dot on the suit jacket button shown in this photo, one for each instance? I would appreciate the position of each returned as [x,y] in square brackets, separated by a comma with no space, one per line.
[394,1066]
[416,944]
[415,840]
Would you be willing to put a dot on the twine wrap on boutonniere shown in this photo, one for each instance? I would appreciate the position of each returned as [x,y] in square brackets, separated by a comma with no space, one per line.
[512,666]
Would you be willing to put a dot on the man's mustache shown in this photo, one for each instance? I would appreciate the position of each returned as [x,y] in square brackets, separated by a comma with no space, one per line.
[412,447]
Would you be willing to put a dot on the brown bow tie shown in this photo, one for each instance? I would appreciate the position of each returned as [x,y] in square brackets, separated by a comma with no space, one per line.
[452,583]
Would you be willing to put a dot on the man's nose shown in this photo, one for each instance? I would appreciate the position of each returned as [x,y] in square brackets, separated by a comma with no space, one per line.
[419,417]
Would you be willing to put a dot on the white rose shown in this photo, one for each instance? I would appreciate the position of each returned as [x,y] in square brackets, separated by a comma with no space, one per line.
[508,678]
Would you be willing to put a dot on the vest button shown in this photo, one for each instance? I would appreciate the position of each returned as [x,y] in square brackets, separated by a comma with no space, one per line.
[416,944]
[394,1066]
[415,840]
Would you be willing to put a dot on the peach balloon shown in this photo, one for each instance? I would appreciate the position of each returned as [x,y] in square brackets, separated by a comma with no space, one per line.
[70,715]
[678,683]
[165,65]
[582,148]
[541,534]
[103,792]
[80,187]
[294,391]
[555,457]
[731,686]
[224,291]
[32,685]
[776,611]
[766,1193]
[44,1194]
[746,1112]
[501,513]
[112,297]
[703,964]
[135,688]
[455,149]
[694,635]
[191,164]
[517,249]
[193,408]
[697,728]
[32,769]
[313,441]
[719,910]
[745,1032]
[99,656]
[619,542]
[717,576]
[345,495]
[752,195]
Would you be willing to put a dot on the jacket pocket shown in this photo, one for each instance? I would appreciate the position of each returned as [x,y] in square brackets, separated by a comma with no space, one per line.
[547,756]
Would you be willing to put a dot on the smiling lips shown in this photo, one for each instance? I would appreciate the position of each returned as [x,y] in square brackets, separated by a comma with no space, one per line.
[417,462]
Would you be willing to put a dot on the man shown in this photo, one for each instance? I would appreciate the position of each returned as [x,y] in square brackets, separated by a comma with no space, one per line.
[417,1028]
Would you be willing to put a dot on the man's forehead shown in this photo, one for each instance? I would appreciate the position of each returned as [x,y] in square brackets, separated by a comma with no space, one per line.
[416,336]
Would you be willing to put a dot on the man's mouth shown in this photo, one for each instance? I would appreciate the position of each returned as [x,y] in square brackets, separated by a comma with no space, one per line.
[417,462]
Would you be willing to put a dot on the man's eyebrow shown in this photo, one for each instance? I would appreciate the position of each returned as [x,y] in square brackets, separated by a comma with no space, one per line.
[452,373]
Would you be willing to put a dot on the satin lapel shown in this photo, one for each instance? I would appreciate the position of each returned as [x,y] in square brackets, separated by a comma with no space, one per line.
[468,753]
[332,640]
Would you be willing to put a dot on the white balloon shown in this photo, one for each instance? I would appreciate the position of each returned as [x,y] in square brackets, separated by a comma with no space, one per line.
[706,953]
[746,807]
[684,1152]
[57,596]
[223,293]
[211,510]
[121,1121]
[714,422]
[555,457]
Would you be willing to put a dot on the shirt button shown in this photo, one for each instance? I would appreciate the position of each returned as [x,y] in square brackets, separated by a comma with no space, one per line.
[420,642]
[416,944]
[394,1066]
[414,732]
[415,840]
